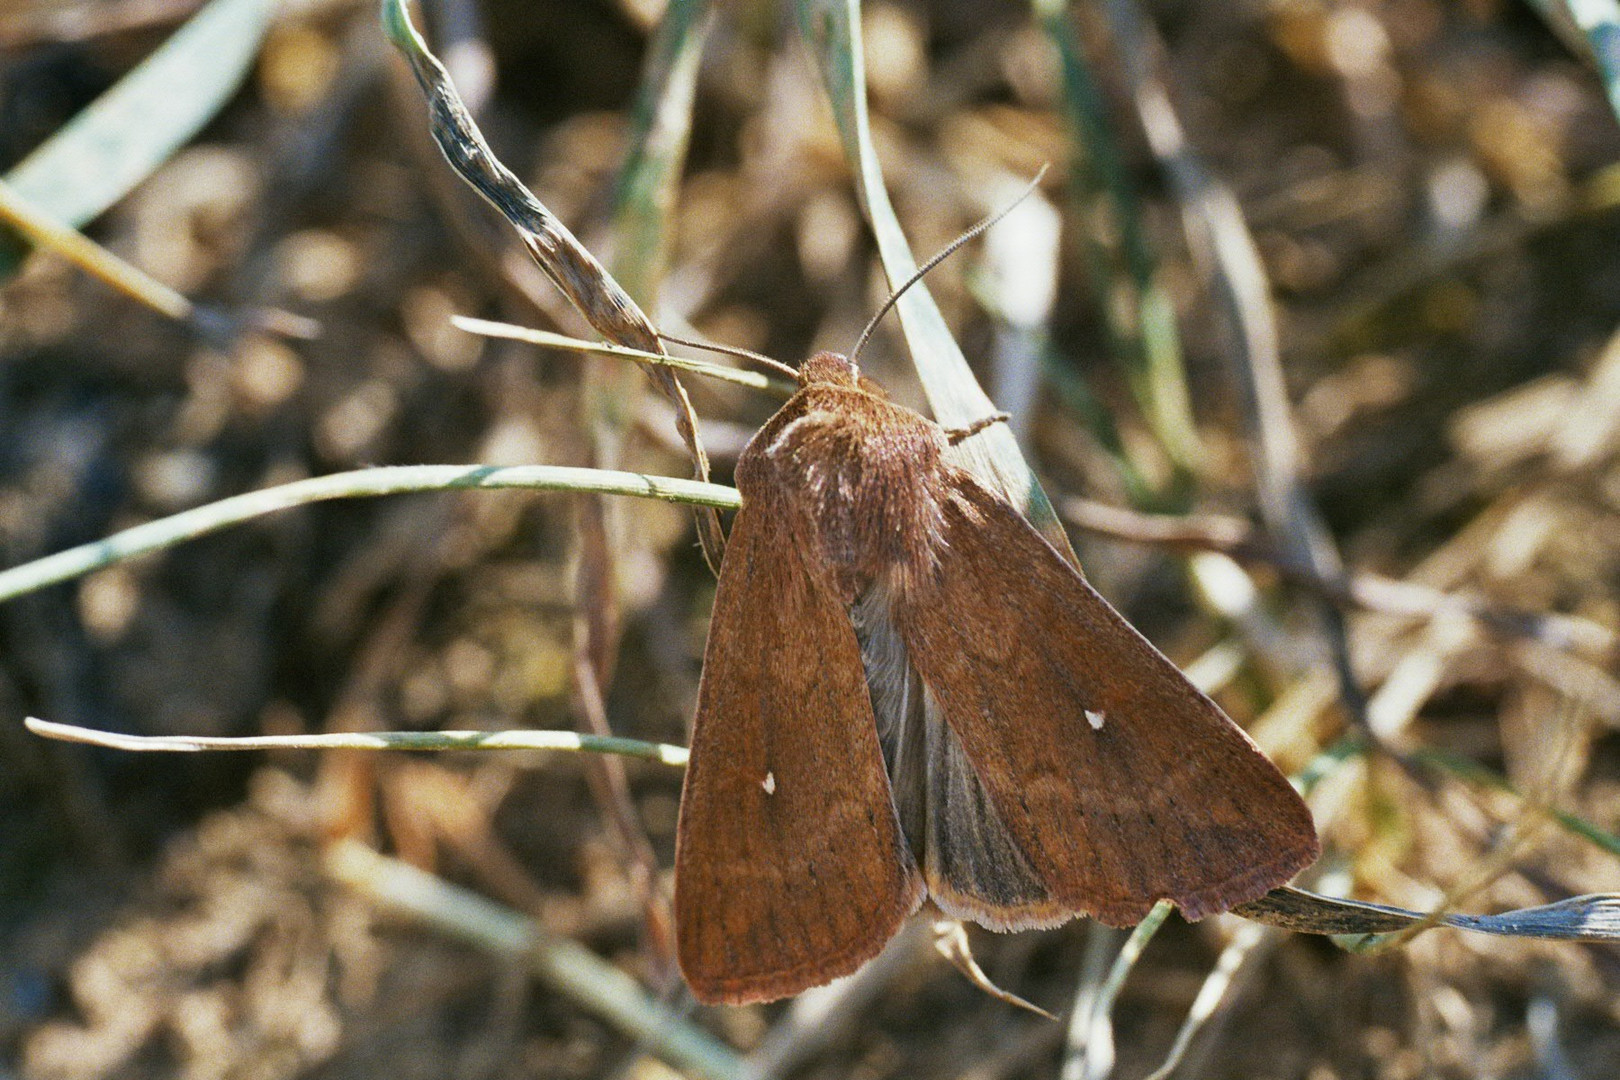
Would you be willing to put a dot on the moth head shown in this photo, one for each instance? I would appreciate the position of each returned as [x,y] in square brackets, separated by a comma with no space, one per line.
[828,369]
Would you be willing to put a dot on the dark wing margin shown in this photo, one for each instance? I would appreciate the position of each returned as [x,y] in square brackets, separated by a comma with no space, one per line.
[790,867]
[1119,781]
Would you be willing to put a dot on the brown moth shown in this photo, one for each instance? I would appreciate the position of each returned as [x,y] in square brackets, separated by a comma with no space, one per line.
[908,694]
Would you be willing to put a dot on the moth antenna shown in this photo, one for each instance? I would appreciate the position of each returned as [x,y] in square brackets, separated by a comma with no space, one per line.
[732,350]
[940,256]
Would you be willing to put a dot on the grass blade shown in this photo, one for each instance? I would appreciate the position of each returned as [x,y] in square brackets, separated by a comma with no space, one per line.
[124,135]
[831,28]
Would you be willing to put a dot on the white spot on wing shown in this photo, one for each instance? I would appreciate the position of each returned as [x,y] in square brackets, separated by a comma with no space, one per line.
[769,783]
[1095,719]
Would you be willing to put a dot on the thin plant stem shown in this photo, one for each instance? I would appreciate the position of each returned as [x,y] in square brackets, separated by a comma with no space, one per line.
[571,741]
[388,480]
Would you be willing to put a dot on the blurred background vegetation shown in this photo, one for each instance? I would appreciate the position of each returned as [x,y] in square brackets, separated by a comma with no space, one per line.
[1430,190]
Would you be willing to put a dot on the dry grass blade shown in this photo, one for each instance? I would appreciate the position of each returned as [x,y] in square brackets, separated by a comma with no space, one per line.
[1089,1038]
[951,942]
[1595,917]
[1238,953]
[820,1018]
[573,269]
[562,964]
[1375,592]
[1094,1023]
[1541,1024]
[832,30]
[751,379]
[1220,239]
[44,231]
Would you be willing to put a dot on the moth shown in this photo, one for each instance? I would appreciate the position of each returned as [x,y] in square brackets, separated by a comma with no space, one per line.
[908,695]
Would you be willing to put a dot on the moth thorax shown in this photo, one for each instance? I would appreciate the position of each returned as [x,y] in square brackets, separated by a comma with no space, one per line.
[886,530]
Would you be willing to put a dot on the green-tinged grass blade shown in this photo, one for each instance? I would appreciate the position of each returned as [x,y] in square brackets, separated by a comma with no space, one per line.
[1076,394]
[661,125]
[643,201]
[1328,761]
[831,29]
[566,741]
[1479,774]
[122,137]
[639,229]
[1136,308]
[389,480]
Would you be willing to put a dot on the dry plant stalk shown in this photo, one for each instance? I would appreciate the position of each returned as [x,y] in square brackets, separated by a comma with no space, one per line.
[564,260]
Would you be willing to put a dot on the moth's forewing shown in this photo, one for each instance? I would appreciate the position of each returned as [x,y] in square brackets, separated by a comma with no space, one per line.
[790,869]
[1045,759]
[972,866]
[1120,783]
